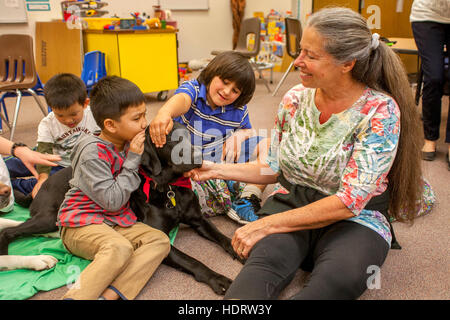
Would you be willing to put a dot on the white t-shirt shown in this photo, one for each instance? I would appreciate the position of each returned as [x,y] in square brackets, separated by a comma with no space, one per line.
[430,10]
[64,138]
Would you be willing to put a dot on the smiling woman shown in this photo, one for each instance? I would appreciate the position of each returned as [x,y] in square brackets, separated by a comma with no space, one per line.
[339,150]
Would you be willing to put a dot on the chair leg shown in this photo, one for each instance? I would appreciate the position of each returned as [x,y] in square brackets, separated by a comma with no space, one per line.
[5,121]
[16,114]
[43,109]
[4,114]
[264,79]
[282,79]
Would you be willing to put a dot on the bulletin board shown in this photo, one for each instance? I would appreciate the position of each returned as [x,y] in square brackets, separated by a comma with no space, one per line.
[184,4]
[13,11]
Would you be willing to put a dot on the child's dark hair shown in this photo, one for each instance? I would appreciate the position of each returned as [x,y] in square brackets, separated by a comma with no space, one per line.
[233,66]
[112,96]
[63,90]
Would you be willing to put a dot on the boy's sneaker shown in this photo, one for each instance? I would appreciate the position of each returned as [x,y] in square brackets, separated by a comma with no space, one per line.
[233,186]
[243,210]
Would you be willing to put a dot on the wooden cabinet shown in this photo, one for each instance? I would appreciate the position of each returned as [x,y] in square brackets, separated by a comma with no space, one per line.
[352,4]
[148,58]
[58,49]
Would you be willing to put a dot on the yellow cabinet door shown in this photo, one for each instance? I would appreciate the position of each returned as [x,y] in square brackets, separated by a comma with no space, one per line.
[149,60]
[106,43]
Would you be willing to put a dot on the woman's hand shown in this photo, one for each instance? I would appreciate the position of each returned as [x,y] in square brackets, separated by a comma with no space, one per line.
[247,236]
[31,158]
[160,127]
[205,172]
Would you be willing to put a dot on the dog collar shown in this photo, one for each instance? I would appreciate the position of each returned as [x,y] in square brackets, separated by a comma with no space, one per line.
[180,182]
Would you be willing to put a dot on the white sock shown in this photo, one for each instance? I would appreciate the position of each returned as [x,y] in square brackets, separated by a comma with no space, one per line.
[250,189]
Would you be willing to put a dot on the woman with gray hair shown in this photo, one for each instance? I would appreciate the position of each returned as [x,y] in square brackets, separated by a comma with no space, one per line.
[345,154]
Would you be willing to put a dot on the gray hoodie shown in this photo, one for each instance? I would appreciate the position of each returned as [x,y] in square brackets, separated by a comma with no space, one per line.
[102,182]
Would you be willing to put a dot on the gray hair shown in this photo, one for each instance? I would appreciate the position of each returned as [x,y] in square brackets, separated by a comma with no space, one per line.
[348,37]
[345,31]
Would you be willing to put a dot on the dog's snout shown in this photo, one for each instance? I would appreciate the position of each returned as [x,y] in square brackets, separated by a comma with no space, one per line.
[5,190]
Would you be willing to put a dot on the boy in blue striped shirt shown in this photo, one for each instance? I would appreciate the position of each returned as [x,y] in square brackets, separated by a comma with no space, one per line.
[213,108]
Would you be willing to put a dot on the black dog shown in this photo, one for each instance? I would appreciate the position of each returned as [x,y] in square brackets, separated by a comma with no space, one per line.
[167,205]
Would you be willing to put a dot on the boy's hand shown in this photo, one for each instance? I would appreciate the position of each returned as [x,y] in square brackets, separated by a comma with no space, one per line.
[137,144]
[160,127]
[231,151]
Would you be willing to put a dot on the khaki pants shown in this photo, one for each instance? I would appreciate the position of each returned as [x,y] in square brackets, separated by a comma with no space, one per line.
[123,259]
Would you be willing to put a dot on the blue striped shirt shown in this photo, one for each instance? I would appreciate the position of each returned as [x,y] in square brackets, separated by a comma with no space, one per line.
[210,128]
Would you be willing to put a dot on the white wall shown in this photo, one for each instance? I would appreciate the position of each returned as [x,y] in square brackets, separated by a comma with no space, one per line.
[200,32]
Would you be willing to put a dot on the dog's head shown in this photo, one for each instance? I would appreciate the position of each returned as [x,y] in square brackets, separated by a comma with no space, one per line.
[177,156]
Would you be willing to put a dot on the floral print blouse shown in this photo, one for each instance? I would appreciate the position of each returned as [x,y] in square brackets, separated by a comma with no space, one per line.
[348,156]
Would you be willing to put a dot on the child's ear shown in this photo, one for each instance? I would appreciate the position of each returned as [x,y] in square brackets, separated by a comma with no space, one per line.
[86,103]
[110,125]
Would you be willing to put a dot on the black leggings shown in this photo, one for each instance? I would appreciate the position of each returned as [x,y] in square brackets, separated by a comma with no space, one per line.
[339,256]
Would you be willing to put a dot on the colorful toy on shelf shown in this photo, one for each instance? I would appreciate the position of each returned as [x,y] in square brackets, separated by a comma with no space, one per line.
[139,25]
[153,23]
[82,9]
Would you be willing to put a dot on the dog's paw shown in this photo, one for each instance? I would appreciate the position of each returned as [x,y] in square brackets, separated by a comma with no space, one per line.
[8,223]
[40,262]
[219,284]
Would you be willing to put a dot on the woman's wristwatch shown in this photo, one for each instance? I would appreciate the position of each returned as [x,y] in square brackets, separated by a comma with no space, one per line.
[15,145]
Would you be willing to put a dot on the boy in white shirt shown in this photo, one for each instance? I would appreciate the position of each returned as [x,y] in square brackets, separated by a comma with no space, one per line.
[70,120]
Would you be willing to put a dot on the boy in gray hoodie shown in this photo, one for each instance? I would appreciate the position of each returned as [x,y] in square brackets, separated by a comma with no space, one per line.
[96,220]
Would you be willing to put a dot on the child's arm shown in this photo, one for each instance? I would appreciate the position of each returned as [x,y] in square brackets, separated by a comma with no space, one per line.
[42,170]
[162,124]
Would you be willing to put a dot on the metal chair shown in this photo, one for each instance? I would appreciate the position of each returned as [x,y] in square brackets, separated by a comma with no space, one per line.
[251,26]
[38,89]
[293,37]
[18,72]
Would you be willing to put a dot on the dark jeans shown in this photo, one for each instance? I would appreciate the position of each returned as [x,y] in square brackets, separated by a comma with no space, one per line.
[339,256]
[18,170]
[430,38]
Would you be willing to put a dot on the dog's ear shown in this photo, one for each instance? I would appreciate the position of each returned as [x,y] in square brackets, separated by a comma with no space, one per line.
[150,161]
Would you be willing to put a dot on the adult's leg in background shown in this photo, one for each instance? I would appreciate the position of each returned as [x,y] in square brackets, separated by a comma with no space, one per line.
[430,39]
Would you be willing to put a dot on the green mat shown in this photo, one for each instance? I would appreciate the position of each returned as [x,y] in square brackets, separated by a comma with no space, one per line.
[22,284]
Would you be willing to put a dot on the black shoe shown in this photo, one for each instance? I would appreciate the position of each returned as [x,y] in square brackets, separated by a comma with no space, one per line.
[428,156]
